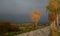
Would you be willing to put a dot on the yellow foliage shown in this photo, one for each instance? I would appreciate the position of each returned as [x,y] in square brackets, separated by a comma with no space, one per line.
[36,16]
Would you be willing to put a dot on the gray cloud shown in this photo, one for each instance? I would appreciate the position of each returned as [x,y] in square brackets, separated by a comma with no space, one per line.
[19,10]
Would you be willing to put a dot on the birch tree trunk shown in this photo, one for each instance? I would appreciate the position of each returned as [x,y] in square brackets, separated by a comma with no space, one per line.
[35,24]
[57,20]
[53,31]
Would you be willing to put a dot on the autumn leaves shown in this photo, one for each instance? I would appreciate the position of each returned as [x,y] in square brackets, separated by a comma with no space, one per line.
[35,17]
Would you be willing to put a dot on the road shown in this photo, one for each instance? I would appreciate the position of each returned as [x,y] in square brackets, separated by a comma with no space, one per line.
[40,32]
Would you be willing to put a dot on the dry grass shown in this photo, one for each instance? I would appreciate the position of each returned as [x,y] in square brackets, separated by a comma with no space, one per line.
[55,32]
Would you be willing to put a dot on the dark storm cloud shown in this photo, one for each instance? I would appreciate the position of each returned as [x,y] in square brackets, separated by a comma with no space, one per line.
[19,10]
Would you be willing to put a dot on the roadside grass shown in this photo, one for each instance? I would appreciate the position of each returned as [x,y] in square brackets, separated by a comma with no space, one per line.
[55,33]
[58,33]
[23,29]
[29,28]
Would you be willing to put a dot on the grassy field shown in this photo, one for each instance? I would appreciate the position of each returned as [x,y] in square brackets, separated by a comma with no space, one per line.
[25,27]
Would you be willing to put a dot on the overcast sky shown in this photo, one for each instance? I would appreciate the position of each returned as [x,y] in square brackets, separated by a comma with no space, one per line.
[19,10]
